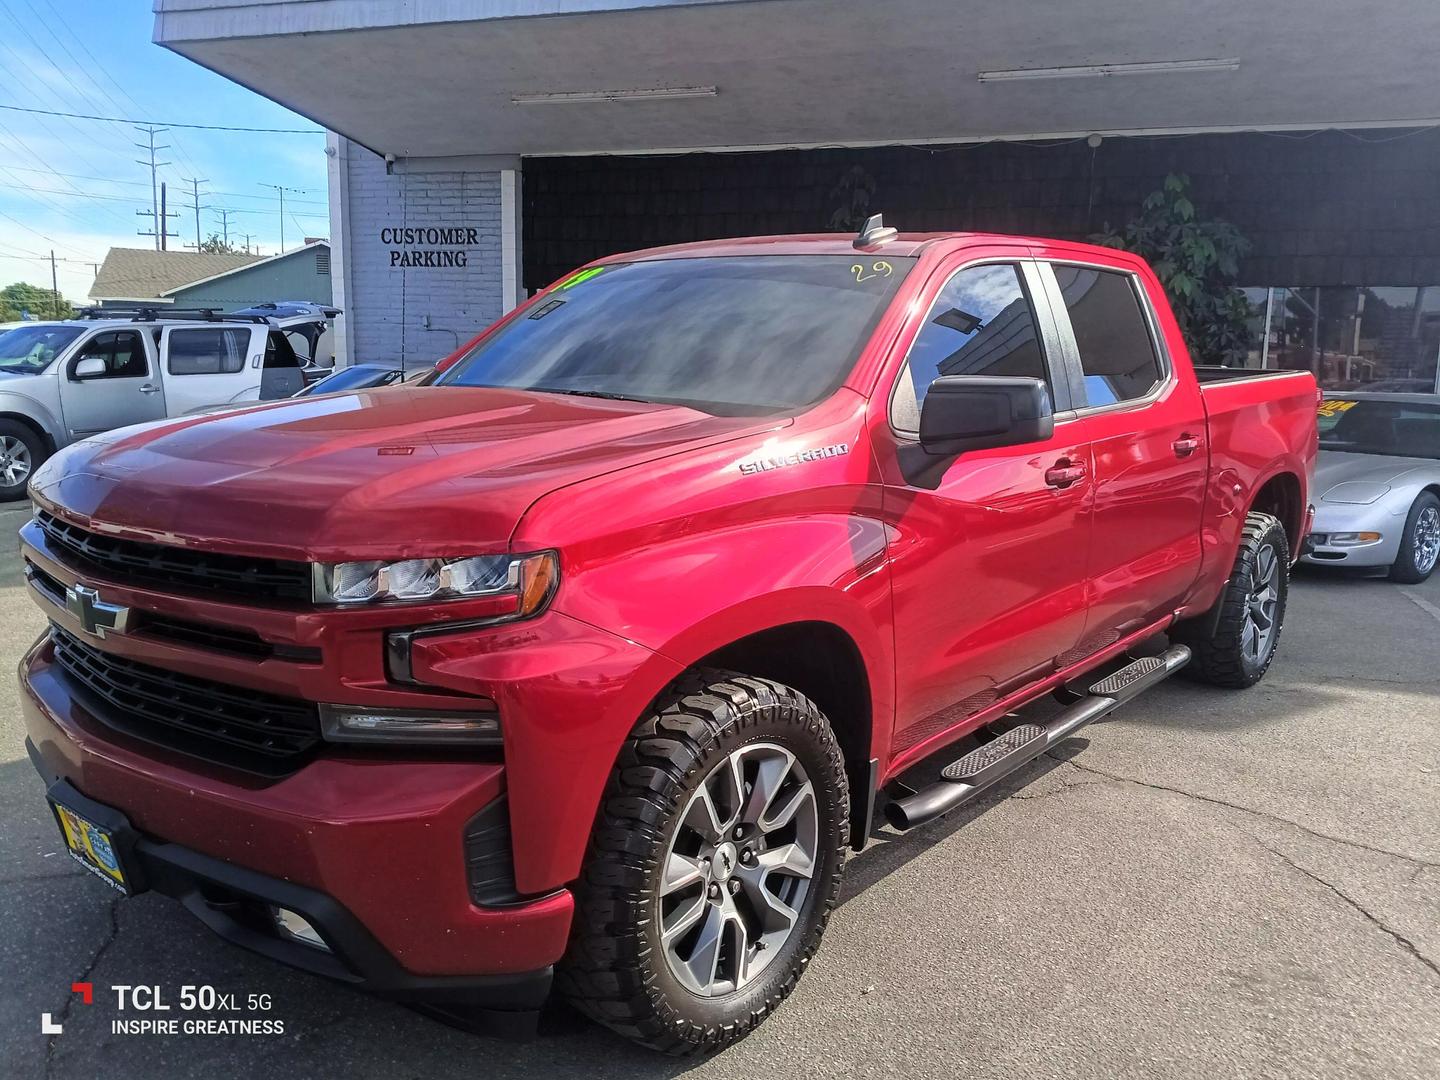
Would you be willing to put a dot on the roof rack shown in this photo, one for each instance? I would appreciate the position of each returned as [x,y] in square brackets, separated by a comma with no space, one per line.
[873,232]
[157,314]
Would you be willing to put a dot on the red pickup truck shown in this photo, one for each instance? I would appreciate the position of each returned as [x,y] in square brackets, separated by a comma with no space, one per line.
[588,660]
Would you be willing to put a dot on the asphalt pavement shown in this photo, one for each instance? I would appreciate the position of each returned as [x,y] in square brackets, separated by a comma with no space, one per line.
[1210,884]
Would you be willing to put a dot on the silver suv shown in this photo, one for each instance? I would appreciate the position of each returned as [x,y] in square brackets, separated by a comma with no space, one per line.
[62,381]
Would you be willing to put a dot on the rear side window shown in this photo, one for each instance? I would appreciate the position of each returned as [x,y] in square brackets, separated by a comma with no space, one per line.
[982,323]
[207,351]
[1117,354]
[278,352]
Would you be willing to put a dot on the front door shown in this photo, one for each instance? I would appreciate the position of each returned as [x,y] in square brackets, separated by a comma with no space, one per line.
[128,392]
[988,549]
[1147,430]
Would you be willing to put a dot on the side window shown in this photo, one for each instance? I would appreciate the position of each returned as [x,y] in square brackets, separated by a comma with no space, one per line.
[982,323]
[278,353]
[207,351]
[1117,354]
[123,352]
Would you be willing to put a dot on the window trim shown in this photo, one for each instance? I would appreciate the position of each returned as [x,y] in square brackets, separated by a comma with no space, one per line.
[1061,313]
[1057,380]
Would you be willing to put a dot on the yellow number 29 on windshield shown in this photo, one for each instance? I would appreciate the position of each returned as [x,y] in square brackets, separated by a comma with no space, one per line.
[880,268]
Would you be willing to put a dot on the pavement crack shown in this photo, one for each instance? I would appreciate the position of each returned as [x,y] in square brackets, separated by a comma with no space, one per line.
[1212,800]
[84,976]
[1065,786]
[1399,938]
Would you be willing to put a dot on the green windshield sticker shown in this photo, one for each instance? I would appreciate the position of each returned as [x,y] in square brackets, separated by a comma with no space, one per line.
[583,275]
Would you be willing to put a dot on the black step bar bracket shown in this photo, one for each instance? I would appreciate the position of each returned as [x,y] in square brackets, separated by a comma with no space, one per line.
[983,768]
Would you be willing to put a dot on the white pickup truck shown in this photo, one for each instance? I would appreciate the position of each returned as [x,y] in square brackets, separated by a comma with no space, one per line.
[62,381]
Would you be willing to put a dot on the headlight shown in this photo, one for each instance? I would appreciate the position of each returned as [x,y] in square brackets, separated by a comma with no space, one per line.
[529,579]
[347,723]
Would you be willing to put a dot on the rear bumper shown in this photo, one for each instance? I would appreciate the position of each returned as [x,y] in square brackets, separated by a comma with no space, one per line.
[372,847]
[235,903]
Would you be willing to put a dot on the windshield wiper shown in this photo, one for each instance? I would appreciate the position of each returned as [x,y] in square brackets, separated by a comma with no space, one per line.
[606,394]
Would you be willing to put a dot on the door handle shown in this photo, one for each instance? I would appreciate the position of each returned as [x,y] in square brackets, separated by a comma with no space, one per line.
[1185,445]
[1064,473]
[149,388]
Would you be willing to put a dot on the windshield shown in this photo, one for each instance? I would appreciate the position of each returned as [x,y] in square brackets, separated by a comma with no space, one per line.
[738,334]
[1392,428]
[29,349]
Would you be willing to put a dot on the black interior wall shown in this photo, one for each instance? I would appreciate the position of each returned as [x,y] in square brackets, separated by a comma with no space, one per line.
[1320,208]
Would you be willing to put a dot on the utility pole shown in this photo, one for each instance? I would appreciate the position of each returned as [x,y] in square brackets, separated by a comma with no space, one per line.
[54,286]
[158,226]
[281,192]
[195,195]
[225,222]
[247,242]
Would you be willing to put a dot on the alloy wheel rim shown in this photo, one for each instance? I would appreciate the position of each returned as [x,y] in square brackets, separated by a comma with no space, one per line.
[1262,604]
[738,870]
[1427,539]
[14,461]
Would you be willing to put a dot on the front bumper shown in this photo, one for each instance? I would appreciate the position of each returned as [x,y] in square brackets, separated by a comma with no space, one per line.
[235,902]
[1346,518]
[372,846]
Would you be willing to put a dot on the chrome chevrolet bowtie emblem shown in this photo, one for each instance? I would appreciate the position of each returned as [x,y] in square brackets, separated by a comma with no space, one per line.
[96,616]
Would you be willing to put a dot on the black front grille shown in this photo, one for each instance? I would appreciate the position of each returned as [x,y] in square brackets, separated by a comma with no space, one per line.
[260,733]
[171,567]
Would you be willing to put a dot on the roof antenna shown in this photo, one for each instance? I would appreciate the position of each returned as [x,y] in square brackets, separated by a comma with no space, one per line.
[874,232]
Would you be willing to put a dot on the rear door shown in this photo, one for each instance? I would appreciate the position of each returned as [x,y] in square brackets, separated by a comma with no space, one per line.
[211,365]
[1147,431]
[128,392]
[988,549]
[280,372]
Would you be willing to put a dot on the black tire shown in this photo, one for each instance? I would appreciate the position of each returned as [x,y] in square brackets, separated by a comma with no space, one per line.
[35,450]
[1222,658]
[1407,568]
[616,970]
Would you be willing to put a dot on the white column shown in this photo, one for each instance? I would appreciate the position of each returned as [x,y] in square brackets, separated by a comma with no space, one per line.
[337,153]
[511,288]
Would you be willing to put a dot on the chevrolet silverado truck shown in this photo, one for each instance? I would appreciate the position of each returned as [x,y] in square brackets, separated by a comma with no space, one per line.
[587,661]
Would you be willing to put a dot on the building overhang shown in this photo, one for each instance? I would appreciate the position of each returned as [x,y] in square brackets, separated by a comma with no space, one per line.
[444,78]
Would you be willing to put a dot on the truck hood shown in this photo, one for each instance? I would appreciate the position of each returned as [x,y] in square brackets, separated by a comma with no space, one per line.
[396,473]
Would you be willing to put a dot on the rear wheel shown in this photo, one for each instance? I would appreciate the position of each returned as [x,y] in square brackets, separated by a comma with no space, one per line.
[21,452]
[1420,546]
[714,865]
[1252,611]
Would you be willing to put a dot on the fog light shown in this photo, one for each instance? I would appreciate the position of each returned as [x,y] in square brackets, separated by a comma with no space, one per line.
[1355,539]
[295,927]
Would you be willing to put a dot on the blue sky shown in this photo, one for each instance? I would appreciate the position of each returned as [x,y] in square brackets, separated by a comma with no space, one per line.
[74,185]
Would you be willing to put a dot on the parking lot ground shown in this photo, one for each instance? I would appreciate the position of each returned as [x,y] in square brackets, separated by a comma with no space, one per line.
[1210,884]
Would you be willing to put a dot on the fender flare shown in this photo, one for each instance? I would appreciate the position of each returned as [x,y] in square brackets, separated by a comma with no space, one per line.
[36,413]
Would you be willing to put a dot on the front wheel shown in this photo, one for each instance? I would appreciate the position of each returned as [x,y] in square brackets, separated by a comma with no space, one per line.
[714,864]
[1252,611]
[21,453]
[1420,546]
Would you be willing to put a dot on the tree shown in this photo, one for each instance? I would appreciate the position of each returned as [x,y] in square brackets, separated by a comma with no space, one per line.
[39,302]
[1197,261]
[214,244]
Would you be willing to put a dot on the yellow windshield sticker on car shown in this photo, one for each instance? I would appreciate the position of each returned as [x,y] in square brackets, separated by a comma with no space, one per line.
[1335,408]
[583,275]
[880,268]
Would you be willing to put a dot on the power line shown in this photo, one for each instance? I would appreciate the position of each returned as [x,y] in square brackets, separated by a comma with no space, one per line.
[142,183]
[168,124]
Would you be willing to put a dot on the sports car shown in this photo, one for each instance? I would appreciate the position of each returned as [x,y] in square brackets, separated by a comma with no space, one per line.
[1377,484]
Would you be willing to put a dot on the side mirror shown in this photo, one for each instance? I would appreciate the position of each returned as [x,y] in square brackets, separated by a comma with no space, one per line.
[976,412]
[88,367]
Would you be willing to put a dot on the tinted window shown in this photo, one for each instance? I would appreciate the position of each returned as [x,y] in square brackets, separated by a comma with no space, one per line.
[278,353]
[206,351]
[980,324]
[1116,353]
[30,349]
[728,334]
[122,351]
[1392,428]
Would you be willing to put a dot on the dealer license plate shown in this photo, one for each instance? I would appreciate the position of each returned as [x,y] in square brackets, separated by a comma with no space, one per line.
[91,846]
